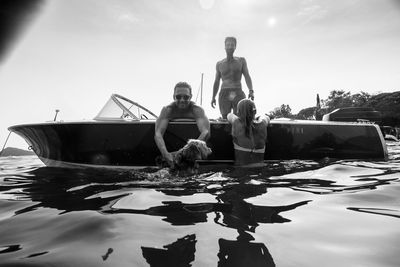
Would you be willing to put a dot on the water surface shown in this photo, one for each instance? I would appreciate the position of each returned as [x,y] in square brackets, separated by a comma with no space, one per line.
[289,213]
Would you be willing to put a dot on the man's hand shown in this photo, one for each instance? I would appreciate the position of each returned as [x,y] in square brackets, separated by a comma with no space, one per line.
[213,102]
[251,95]
[169,158]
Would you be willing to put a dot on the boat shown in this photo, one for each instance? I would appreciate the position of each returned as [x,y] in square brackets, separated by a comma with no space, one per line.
[354,114]
[122,136]
[390,133]
[363,114]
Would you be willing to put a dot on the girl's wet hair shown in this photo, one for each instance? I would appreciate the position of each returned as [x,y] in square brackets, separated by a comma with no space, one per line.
[246,111]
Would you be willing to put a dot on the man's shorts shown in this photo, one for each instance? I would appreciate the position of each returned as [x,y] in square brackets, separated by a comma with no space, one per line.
[228,100]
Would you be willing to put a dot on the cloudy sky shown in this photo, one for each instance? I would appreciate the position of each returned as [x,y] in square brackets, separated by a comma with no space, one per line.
[76,53]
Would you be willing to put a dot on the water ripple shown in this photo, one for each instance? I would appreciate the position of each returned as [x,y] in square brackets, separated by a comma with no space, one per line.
[298,209]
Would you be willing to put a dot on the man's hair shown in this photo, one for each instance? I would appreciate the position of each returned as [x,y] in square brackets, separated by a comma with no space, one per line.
[183,85]
[230,38]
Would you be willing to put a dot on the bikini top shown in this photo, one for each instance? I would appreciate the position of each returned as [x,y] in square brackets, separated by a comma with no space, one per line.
[258,135]
[254,150]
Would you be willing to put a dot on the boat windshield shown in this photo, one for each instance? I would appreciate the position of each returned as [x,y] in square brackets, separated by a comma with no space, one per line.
[122,108]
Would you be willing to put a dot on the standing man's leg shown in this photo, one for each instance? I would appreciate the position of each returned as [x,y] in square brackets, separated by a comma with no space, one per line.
[239,96]
[224,103]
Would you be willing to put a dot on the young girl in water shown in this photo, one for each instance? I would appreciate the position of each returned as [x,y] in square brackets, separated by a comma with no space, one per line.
[249,133]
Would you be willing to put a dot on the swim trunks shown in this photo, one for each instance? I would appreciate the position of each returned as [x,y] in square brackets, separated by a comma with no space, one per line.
[228,99]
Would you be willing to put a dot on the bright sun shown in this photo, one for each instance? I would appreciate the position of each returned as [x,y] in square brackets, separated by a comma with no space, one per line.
[206,4]
[271,22]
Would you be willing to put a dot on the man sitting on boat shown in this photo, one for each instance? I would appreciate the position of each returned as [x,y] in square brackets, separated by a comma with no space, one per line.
[181,108]
[249,133]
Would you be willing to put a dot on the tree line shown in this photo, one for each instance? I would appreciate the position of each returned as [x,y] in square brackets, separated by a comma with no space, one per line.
[386,103]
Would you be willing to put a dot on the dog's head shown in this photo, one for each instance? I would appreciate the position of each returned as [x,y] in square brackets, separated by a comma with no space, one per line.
[188,155]
[196,150]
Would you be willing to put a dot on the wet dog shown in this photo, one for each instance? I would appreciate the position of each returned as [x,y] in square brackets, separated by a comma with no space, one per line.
[185,159]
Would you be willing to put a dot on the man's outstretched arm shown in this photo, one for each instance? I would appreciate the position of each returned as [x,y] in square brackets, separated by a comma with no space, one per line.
[203,124]
[160,127]
[216,86]
[247,78]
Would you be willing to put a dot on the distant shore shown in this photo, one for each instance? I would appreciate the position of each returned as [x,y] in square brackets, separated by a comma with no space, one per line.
[12,151]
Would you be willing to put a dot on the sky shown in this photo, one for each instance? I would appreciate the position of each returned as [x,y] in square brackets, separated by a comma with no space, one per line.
[74,54]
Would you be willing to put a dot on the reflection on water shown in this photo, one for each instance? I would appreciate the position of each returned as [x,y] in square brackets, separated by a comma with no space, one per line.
[242,252]
[289,213]
[179,253]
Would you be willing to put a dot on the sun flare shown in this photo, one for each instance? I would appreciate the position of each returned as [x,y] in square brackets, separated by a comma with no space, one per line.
[206,4]
[271,22]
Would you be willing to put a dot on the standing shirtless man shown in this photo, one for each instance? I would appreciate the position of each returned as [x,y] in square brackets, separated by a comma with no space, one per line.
[230,70]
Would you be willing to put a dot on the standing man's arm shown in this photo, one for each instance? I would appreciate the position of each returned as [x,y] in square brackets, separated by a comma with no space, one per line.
[160,127]
[247,78]
[216,86]
[203,124]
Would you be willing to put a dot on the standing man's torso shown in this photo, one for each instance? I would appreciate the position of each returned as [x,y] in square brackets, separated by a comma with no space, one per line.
[231,72]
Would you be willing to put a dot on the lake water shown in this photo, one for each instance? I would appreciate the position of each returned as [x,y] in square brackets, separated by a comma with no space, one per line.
[290,213]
